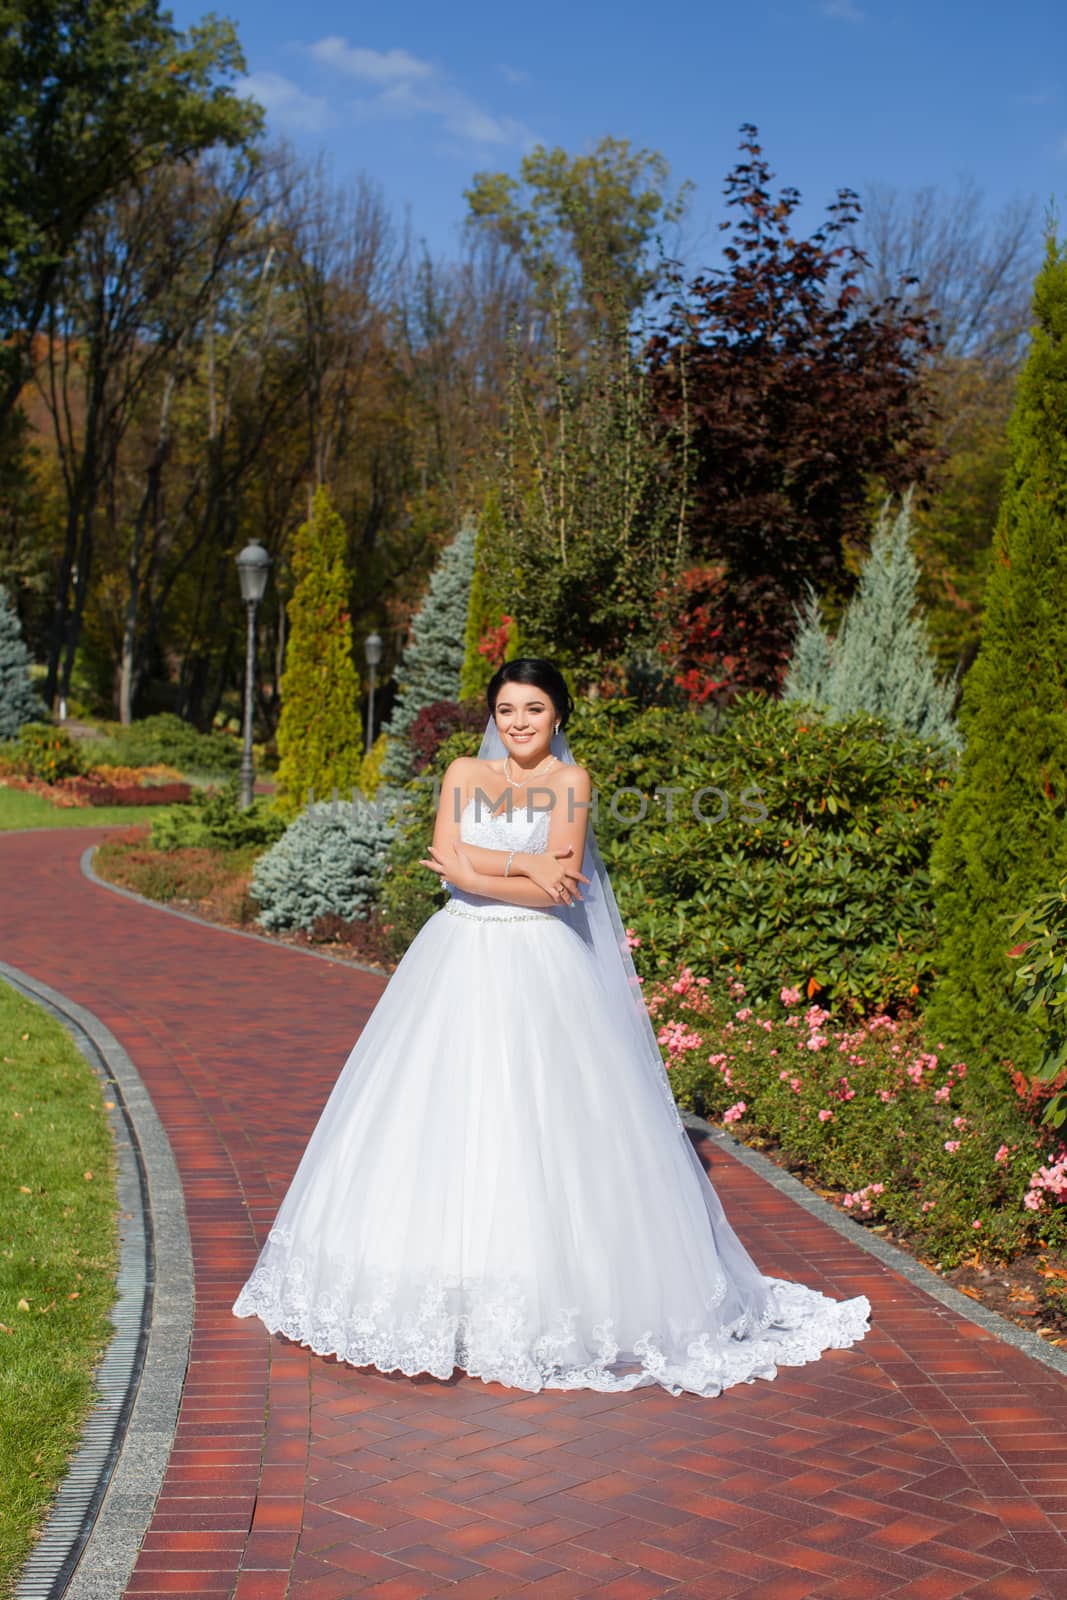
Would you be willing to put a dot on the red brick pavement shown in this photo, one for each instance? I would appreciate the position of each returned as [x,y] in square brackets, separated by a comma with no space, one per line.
[929,1462]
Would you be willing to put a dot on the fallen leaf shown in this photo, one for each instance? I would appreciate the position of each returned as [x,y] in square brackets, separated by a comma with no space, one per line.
[23,1305]
[109,1105]
[24,1190]
[86,1174]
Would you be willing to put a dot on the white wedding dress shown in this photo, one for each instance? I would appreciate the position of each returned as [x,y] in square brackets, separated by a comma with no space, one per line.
[493,1185]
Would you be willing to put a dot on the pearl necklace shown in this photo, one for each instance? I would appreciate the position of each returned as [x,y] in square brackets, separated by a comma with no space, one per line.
[525,782]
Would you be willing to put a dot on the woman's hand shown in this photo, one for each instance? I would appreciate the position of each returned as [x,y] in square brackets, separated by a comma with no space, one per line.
[455,865]
[558,881]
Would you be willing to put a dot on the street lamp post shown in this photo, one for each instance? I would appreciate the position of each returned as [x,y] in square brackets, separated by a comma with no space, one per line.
[253,565]
[372,646]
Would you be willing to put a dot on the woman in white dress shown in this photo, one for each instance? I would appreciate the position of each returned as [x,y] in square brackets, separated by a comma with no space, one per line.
[500,1180]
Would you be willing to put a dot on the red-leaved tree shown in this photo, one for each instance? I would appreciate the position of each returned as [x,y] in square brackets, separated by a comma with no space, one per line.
[802,400]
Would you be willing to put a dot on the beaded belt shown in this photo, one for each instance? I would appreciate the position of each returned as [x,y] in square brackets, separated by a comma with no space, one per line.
[498,916]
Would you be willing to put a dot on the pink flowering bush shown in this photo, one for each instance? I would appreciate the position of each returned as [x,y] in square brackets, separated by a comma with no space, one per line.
[871,1109]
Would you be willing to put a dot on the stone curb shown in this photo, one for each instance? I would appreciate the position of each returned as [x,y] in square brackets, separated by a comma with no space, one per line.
[104,1503]
[890,1255]
[204,922]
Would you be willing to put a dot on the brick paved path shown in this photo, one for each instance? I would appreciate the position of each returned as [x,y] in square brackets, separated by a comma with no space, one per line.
[930,1461]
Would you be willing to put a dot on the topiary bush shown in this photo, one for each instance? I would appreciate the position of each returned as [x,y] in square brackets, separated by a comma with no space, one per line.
[330,861]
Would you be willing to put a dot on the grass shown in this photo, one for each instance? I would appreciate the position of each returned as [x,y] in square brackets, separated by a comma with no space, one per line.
[58,1257]
[19,808]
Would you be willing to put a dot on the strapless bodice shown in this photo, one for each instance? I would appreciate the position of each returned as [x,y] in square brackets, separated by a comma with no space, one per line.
[525,829]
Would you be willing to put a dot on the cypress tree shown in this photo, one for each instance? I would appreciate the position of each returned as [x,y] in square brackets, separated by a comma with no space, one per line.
[18,702]
[432,664]
[1004,839]
[320,733]
[881,662]
[485,613]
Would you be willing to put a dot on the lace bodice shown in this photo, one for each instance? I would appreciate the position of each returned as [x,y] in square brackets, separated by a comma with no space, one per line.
[525,829]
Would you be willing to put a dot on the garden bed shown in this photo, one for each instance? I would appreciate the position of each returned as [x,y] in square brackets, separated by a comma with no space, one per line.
[215,884]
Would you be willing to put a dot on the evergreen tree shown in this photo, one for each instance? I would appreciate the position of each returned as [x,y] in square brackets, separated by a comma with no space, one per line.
[485,614]
[320,733]
[808,675]
[18,702]
[433,661]
[881,661]
[1004,840]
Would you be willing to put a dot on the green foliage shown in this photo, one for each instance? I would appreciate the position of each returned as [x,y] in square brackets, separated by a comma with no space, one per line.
[320,734]
[18,702]
[487,621]
[871,1109]
[581,225]
[831,889]
[43,751]
[167,740]
[329,862]
[593,503]
[433,661]
[1041,988]
[58,1222]
[214,819]
[370,769]
[881,661]
[95,96]
[1005,833]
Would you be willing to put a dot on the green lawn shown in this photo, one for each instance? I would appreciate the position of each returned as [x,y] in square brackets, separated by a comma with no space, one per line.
[21,809]
[58,1256]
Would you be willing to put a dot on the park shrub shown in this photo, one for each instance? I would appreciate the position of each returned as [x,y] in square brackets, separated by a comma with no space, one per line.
[329,861]
[214,819]
[872,1109]
[831,889]
[43,752]
[370,768]
[437,722]
[166,739]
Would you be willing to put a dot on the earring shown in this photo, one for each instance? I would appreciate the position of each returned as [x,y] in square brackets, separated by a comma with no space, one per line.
[557,727]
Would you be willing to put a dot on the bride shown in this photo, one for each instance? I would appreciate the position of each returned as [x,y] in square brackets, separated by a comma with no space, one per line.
[500,1180]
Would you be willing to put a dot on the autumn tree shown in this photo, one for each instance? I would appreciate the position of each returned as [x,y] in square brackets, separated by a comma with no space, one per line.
[802,400]
[94,97]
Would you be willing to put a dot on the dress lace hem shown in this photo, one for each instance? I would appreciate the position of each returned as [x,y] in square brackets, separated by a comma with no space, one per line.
[485,1330]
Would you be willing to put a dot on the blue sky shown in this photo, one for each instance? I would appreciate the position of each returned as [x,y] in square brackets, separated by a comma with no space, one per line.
[419,96]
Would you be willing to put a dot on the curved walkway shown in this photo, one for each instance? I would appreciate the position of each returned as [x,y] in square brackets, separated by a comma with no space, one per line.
[930,1461]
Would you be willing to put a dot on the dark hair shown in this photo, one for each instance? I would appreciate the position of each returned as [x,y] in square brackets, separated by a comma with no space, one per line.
[541,674]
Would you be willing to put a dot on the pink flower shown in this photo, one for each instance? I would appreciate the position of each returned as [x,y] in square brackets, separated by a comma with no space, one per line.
[1002,1154]
[952,1145]
[976,1223]
[826,1116]
[789,997]
[887,1097]
[941,1095]
[816,1041]
[744,1013]
[928,1205]
[794,1084]
[632,939]
[959,1122]
[1033,1201]
[735,1113]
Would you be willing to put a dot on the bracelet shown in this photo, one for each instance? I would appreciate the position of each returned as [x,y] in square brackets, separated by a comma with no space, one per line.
[507,863]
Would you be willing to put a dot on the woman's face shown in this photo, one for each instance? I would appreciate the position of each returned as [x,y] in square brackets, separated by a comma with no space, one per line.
[525,718]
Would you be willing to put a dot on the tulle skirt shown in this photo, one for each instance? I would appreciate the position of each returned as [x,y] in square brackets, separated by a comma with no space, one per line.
[495,1184]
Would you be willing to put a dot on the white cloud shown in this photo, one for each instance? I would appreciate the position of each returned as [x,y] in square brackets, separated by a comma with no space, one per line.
[842,10]
[403,87]
[512,74]
[285,102]
[371,66]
